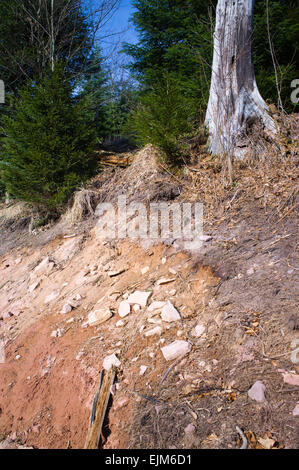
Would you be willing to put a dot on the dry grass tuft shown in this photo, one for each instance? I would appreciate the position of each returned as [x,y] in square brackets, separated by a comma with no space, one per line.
[85,201]
[14,210]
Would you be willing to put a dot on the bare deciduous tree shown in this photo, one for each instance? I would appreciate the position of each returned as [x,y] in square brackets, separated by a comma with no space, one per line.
[234,102]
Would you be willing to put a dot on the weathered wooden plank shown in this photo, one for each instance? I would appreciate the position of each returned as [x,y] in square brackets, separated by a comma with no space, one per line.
[99,409]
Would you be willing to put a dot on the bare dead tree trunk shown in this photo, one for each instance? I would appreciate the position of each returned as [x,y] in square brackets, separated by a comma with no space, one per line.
[52,48]
[234,101]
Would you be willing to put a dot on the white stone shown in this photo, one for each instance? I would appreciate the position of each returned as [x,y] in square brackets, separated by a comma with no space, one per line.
[155,320]
[57,333]
[79,355]
[296,410]
[145,270]
[189,429]
[154,331]
[176,349]
[205,238]
[139,297]
[142,370]
[199,330]
[257,392]
[136,308]
[172,271]
[156,305]
[119,323]
[33,286]
[67,308]
[110,361]
[44,266]
[96,317]
[51,297]
[170,313]
[124,309]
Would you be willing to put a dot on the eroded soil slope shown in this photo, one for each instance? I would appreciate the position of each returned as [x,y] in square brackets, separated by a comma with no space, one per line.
[237,306]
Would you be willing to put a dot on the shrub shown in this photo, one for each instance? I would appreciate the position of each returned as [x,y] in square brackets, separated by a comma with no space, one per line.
[165,118]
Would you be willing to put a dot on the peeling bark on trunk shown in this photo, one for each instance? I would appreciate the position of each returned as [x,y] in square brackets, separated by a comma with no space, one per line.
[235,102]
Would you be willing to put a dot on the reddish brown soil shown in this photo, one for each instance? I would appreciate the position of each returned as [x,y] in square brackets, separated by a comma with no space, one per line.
[241,285]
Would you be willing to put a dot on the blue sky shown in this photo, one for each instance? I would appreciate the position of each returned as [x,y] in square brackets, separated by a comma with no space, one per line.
[118,29]
[120,21]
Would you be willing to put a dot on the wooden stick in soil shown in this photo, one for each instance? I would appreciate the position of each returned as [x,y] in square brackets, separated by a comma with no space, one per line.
[99,410]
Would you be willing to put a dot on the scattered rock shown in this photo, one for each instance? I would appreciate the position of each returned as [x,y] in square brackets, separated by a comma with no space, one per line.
[33,286]
[291,379]
[57,333]
[296,410]
[96,317]
[139,297]
[45,266]
[156,305]
[119,323]
[172,271]
[18,357]
[121,402]
[142,370]
[136,308]
[155,320]
[110,361]
[154,331]
[199,330]
[51,297]
[170,313]
[7,315]
[189,429]
[145,270]
[205,238]
[79,355]
[257,392]
[176,349]
[67,308]
[124,309]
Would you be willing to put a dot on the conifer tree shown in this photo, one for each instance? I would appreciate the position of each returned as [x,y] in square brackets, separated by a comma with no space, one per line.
[48,142]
